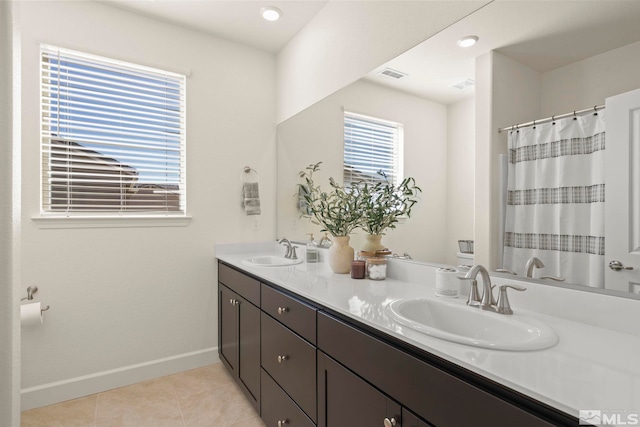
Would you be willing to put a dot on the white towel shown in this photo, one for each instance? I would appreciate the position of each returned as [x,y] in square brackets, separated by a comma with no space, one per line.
[251,198]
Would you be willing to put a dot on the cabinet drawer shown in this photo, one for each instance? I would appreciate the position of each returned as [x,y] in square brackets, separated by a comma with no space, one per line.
[291,361]
[243,285]
[277,406]
[426,390]
[298,316]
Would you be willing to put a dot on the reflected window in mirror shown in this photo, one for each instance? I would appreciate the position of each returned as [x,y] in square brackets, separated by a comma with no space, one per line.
[372,145]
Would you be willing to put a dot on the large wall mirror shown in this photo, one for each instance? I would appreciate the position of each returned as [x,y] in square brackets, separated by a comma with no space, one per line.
[576,54]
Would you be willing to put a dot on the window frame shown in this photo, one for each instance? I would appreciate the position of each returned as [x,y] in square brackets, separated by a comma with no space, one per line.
[103,216]
[398,156]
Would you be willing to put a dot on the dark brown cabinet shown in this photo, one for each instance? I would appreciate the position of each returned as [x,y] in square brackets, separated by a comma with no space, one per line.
[239,340]
[289,351]
[409,419]
[278,409]
[294,314]
[228,328]
[299,365]
[345,400]
[291,361]
[425,389]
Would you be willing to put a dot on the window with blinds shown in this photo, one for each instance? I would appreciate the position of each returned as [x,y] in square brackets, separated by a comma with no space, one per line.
[371,146]
[113,136]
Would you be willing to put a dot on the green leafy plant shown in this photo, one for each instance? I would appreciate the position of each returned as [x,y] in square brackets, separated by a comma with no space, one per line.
[382,203]
[337,211]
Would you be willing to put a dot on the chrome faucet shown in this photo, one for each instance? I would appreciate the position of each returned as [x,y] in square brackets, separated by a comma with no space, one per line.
[487,292]
[403,256]
[503,306]
[488,302]
[291,250]
[533,262]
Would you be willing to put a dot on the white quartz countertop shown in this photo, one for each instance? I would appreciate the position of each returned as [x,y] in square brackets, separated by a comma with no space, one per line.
[590,368]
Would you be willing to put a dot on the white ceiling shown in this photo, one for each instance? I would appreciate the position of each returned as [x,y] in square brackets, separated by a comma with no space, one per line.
[234,20]
[543,35]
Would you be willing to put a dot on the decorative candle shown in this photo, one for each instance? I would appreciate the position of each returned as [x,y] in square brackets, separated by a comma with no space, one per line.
[357,269]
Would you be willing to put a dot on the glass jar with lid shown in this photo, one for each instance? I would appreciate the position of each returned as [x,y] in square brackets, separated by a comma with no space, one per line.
[383,253]
[377,268]
[363,255]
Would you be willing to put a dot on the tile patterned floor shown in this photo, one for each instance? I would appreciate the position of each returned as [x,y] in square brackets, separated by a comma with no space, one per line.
[204,397]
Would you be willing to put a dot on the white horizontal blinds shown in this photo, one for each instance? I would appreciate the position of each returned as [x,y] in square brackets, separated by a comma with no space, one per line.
[113,136]
[371,146]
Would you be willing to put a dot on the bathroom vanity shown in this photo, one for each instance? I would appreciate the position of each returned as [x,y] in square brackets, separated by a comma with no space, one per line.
[309,347]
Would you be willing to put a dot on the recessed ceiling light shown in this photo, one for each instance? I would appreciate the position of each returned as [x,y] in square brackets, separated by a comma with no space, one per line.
[467,41]
[271,13]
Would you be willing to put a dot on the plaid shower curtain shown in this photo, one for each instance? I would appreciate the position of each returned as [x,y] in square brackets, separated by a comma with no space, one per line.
[555,199]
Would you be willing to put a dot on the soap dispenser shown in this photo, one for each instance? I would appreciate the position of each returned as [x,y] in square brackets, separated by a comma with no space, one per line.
[312,250]
[325,242]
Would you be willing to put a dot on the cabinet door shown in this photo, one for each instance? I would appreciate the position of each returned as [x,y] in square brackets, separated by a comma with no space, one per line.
[278,408]
[228,328]
[249,349]
[345,400]
[429,391]
[409,419]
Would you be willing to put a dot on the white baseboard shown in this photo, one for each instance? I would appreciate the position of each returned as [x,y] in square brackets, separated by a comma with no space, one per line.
[59,391]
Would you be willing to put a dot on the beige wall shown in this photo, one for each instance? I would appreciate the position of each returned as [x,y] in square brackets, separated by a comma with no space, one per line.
[317,134]
[507,92]
[9,207]
[460,175]
[130,303]
[589,82]
[348,39]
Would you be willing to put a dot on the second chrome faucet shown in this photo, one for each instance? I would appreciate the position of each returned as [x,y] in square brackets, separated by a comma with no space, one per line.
[487,301]
[291,249]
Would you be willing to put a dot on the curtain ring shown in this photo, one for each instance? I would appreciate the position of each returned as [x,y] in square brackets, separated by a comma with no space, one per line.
[553,120]
[574,115]
[246,172]
[534,124]
[595,110]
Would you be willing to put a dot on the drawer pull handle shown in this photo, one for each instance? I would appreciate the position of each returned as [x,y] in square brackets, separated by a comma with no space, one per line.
[283,422]
[234,301]
[282,358]
[282,310]
[390,422]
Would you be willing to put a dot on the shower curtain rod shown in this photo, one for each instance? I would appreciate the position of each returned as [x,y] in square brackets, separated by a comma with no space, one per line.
[548,119]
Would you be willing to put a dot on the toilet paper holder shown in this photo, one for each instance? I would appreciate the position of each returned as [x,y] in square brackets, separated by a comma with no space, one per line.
[30,291]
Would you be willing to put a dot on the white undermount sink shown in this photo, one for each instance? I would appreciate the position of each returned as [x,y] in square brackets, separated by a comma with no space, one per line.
[472,326]
[270,261]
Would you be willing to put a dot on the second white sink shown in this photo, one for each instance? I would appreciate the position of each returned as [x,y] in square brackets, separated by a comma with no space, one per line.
[270,261]
[472,326]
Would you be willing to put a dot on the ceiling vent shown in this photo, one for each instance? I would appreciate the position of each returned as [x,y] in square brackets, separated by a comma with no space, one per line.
[464,84]
[394,74]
